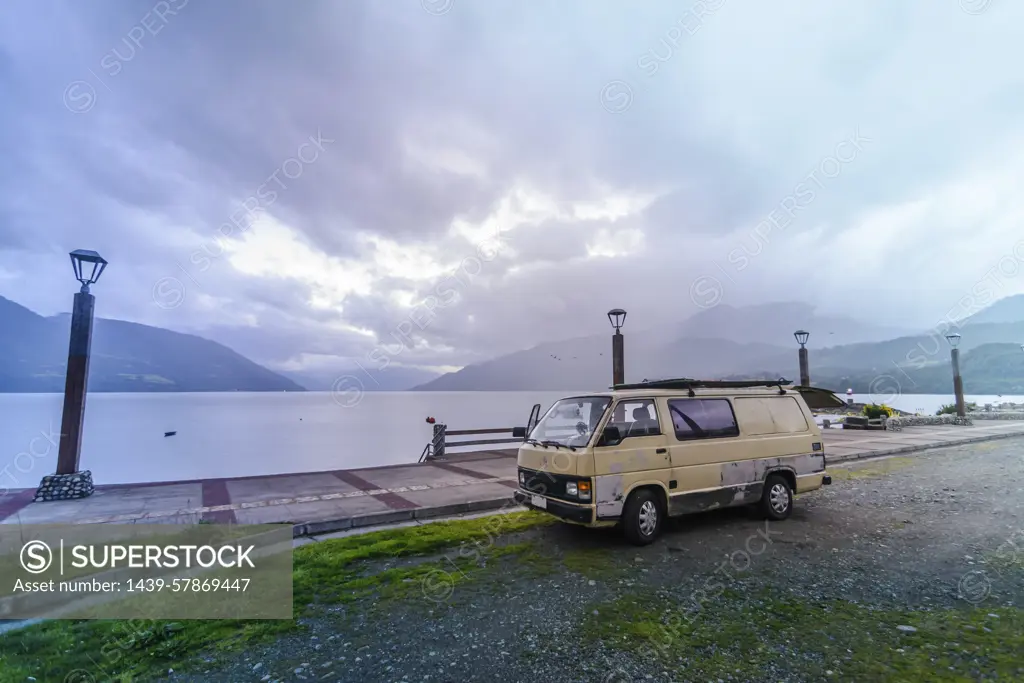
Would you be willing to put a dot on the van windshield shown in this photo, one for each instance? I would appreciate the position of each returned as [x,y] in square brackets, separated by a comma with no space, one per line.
[571,421]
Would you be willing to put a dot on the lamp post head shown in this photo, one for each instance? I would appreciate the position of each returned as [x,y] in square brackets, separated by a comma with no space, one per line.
[801,337]
[88,267]
[953,339]
[616,317]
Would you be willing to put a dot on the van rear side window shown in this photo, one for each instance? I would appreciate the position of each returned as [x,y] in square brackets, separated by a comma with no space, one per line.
[774,415]
[702,418]
[786,414]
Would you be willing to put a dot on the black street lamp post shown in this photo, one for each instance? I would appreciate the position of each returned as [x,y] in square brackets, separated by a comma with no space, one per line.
[69,482]
[958,382]
[617,317]
[805,373]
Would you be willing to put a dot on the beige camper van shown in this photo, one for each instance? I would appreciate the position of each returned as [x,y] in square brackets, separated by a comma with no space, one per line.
[642,452]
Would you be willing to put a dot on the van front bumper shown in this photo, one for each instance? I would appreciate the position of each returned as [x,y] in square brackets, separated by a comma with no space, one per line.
[566,511]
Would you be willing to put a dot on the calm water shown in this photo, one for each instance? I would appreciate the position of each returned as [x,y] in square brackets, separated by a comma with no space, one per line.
[238,434]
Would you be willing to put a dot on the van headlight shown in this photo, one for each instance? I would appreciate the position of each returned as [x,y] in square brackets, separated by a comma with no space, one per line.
[578,489]
[522,478]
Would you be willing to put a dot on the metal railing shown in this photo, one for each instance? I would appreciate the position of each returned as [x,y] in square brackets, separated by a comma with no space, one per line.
[440,443]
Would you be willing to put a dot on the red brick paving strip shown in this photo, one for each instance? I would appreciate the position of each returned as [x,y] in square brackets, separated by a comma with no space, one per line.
[392,500]
[215,492]
[471,473]
[15,503]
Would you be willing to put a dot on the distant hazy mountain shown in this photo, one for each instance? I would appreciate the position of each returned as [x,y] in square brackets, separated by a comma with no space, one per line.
[125,357]
[775,323]
[753,341]
[1006,310]
[903,352]
[713,343]
[392,378]
[986,369]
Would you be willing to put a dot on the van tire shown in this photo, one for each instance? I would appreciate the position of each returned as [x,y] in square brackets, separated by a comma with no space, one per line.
[777,492]
[642,517]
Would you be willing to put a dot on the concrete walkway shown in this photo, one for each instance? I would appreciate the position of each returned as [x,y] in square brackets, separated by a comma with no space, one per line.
[323,502]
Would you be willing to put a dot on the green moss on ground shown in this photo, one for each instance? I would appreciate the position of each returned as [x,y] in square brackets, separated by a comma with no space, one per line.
[330,572]
[599,564]
[761,637]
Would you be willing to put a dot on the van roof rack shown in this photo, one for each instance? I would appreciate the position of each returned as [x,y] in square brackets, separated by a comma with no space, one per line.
[685,383]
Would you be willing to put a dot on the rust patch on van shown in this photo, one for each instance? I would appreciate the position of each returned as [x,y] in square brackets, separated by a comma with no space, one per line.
[704,501]
[609,492]
[747,471]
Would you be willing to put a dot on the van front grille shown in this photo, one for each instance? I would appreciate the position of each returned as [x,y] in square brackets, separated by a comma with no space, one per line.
[545,483]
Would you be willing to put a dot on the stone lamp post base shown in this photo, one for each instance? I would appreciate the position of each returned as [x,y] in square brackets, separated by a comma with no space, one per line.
[65,486]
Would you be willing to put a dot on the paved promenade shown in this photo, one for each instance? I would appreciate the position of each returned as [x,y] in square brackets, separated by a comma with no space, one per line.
[323,502]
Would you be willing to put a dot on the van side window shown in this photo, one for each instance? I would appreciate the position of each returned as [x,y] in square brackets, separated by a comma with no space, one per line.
[702,418]
[770,415]
[636,418]
[786,414]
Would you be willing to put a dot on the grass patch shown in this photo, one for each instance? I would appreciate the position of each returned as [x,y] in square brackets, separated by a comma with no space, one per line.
[330,572]
[868,470]
[769,637]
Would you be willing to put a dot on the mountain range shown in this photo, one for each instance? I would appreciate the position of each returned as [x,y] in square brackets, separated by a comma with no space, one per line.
[721,342]
[757,341]
[125,357]
[986,369]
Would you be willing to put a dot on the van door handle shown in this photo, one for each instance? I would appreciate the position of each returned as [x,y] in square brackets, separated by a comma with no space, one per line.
[660,451]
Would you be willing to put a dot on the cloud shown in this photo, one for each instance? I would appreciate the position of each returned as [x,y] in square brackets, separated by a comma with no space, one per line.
[300,179]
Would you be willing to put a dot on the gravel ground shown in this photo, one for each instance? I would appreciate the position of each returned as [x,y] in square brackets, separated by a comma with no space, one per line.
[922,533]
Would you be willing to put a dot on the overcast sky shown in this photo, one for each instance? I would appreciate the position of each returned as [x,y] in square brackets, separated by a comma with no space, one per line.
[300,180]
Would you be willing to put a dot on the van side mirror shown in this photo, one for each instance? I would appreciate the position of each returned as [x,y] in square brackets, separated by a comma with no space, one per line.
[611,436]
[519,432]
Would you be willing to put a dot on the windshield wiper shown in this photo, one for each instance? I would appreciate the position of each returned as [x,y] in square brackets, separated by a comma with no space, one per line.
[556,444]
[533,442]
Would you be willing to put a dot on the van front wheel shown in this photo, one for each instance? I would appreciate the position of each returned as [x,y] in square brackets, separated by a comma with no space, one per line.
[642,517]
[777,498]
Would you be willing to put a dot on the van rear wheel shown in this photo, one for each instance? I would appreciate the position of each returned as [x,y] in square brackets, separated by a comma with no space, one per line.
[777,498]
[642,517]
